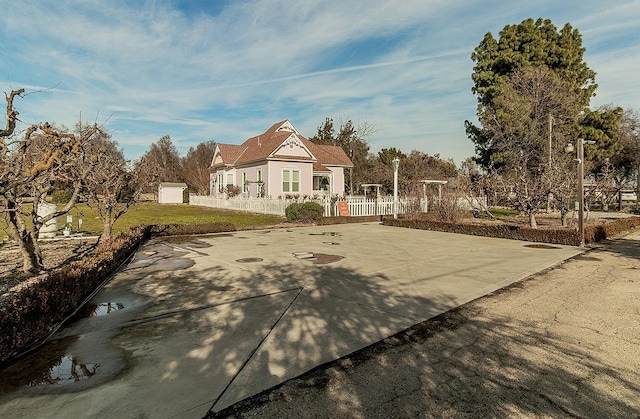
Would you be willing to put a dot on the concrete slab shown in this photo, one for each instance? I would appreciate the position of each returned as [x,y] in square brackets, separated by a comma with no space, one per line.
[209,320]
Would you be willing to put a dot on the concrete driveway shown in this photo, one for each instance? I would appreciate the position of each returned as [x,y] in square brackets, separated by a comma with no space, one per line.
[198,323]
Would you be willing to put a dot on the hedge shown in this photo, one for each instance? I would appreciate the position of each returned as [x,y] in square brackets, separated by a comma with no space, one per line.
[348,220]
[566,236]
[35,311]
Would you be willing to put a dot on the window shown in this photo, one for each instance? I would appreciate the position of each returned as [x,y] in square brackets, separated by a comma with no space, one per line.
[229,179]
[259,183]
[220,183]
[245,187]
[290,180]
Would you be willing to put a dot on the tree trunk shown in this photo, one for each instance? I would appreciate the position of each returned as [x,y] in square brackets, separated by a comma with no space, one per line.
[32,261]
[107,228]
[27,242]
[532,220]
[563,216]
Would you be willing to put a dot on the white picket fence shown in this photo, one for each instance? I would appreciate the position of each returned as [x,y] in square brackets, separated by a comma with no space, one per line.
[357,206]
[257,205]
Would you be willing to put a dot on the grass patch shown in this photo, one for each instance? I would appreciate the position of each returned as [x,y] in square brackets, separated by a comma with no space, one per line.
[154,213]
[503,212]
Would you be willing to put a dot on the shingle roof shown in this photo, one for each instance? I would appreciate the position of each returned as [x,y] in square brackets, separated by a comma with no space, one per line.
[262,146]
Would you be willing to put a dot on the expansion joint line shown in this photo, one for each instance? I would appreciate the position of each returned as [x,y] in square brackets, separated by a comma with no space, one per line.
[253,352]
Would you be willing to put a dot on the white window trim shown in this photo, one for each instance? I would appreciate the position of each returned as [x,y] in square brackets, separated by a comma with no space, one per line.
[258,180]
[291,171]
[220,182]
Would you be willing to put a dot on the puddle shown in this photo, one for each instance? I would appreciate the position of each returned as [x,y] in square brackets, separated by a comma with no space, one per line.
[317,258]
[332,243]
[161,264]
[50,366]
[249,260]
[102,309]
[215,236]
[541,246]
[264,232]
[68,370]
[331,233]
[191,241]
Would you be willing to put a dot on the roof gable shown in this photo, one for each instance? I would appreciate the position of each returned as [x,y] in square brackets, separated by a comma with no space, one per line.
[292,147]
[281,141]
[227,154]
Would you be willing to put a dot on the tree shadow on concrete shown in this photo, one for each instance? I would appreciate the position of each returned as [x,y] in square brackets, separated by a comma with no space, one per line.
[213,331]
[243,328]
[458,364]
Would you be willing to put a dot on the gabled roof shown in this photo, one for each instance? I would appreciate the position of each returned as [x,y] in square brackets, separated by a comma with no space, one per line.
[270,146]
[230,153]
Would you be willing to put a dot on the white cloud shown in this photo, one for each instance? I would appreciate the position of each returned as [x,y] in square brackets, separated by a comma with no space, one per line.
[228,73]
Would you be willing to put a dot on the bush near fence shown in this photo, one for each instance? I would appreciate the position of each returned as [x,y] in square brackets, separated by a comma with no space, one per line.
[592,234]
[305,212]
[35,311]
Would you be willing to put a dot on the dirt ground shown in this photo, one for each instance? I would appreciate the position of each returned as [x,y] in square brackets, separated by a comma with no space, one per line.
[55,253]
[562,343]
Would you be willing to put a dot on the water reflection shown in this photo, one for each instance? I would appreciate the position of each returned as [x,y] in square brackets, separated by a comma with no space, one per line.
[52,364]
[106,308]
[68,370]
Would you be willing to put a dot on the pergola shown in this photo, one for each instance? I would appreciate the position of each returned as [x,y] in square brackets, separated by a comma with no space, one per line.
[426,182]
[366,186]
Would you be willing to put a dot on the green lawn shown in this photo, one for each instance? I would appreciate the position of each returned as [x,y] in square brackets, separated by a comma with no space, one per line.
[154,213]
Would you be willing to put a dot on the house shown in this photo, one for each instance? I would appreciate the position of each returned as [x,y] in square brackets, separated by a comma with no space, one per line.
[171,193]
[278,163]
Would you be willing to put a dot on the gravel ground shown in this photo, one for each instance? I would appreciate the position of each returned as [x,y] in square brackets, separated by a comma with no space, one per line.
[562,343]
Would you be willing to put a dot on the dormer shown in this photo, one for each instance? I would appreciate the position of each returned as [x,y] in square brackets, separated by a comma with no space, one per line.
[288,127]
[292,146]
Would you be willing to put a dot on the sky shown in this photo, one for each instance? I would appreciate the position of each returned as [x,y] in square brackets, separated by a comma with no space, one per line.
[227,70]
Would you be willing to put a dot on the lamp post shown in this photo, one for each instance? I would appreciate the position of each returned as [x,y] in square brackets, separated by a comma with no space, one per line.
[580,159]
[396,163]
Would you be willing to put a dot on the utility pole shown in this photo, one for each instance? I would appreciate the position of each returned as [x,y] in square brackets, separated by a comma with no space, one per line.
[549,135]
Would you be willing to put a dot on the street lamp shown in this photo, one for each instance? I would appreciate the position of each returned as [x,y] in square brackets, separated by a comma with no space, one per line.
[580,159]
[396,163]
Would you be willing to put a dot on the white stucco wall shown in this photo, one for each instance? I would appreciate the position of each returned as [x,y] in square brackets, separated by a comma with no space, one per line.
[337,188]
[170,194]
[274,179]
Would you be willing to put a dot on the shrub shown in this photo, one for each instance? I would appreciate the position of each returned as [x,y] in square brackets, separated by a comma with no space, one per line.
[34,311]
[349,220]
[233,190]
[187,229]
[510,231]
[61,196]
[306,212]
[448,209]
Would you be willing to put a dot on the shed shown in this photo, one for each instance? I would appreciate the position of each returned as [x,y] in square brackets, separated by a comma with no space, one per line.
[171,193]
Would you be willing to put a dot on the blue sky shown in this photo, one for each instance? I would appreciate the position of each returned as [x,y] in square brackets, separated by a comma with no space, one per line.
[227,70]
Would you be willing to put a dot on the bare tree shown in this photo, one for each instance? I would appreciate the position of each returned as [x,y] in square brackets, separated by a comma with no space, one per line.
[30,165]
[195,167]
[518,131]
[111,185]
